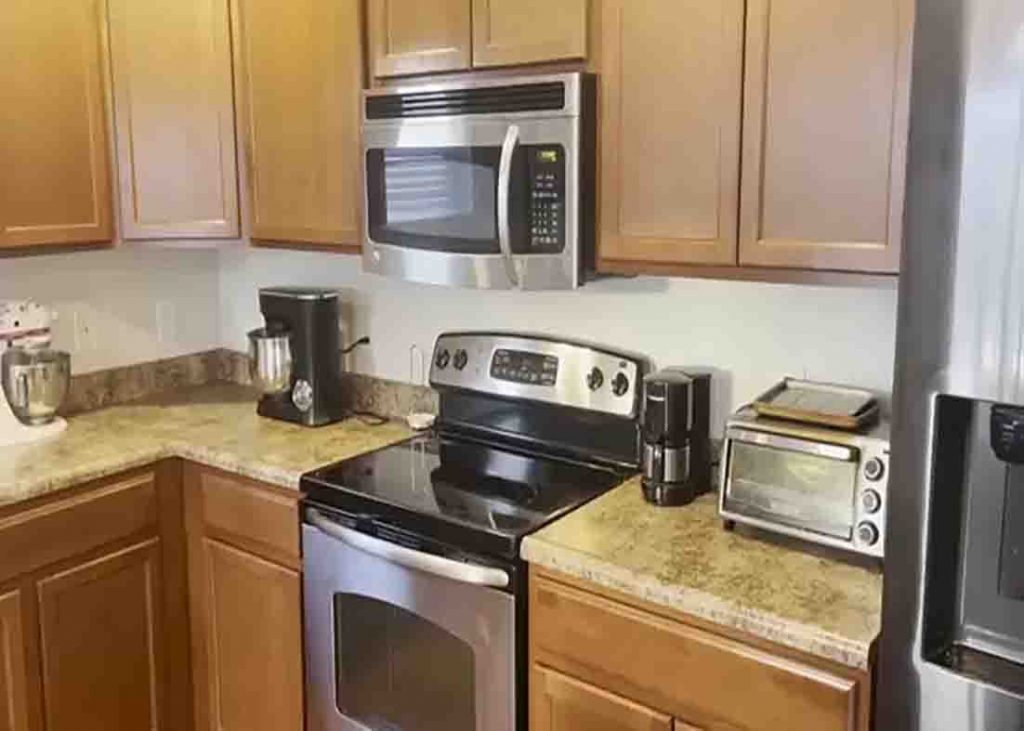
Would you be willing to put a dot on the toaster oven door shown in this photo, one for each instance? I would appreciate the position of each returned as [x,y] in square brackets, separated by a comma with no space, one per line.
[783,481]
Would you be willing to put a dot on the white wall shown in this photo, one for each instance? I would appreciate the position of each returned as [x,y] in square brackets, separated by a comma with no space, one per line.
[125,305]
[753,333]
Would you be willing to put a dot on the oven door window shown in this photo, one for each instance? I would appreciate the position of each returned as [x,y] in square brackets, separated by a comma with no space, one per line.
[445,199]
[801,490]
[397,671]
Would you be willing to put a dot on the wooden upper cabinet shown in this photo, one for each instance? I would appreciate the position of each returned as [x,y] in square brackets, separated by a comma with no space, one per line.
[507,32]
[671,74]
[418,36]
[825,128]
[14,680]
[55,185]
[299,78]
[174,118]
[102,642]
[561,703]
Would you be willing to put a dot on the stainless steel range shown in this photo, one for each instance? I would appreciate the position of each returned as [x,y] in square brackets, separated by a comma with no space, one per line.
[415,597]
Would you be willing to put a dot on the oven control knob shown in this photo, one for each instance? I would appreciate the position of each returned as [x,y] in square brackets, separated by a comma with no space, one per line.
[460,360]
[620,384]
[867,533]
[871,501]
[874,469]
[595,379]
[442,359]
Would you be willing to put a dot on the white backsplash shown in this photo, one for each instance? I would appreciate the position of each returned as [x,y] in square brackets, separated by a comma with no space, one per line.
[135,304]
[751,334]
[125,305]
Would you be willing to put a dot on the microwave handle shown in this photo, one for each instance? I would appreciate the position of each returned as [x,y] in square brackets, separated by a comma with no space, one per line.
[508,149]
[465,573]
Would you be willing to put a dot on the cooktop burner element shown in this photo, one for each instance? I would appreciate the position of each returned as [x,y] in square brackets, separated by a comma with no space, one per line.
[470,486]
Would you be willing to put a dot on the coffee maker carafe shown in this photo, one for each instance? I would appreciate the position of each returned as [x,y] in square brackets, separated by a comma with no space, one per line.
[295,361]
[674,432]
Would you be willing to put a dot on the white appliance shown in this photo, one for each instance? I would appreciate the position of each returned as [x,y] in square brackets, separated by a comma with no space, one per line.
[24,322]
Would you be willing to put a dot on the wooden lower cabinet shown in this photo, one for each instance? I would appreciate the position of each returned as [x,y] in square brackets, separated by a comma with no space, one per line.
[14,680]
[102,642]
[245,597]
[561,703]
[93,618]
[254,641]
[600,661]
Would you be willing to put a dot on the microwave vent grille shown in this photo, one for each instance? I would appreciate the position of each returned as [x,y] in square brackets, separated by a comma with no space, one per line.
[482,100]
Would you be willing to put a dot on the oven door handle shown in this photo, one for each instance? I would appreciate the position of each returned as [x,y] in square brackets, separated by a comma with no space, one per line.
[465,573]
[508,149]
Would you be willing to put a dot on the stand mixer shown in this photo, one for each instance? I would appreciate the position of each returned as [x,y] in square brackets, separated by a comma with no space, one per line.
[35,378]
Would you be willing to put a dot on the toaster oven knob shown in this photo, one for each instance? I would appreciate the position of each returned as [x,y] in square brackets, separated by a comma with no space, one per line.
[874,469]
[595,379]
[620,384]
[867,533]
[871,501]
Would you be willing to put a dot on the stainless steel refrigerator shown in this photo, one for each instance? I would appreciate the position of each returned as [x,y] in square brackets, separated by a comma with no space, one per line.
[952,648]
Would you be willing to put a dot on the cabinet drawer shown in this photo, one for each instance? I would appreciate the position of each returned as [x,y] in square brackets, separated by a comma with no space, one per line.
[681,670]
[251,515]
[58,530]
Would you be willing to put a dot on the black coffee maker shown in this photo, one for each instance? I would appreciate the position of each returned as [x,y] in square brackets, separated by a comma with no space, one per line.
[675,436]
[295,360]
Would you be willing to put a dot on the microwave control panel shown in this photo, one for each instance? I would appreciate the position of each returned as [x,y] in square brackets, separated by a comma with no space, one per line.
[546,164]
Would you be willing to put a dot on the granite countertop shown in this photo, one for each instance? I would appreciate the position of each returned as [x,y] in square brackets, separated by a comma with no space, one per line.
[683,559]
[213,425]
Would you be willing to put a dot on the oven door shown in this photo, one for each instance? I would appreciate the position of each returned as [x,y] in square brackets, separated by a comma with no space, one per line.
[401,640]
[488,202]
[781,483]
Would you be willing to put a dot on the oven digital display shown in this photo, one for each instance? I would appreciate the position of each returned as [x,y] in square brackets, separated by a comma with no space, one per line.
[520,366]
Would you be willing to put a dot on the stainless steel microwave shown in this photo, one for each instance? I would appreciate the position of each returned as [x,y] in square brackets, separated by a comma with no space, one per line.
[817,484]
[481,183]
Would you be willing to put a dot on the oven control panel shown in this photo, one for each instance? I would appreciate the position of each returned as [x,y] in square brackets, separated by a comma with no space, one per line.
[547,198]
[539,368]
[521,366]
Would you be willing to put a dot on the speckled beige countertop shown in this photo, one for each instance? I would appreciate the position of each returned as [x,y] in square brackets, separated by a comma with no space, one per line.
[683,559]
[212,425]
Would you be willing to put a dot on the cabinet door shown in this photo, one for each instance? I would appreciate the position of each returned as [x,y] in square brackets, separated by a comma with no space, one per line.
[55,186]
[507,32]
[670,122]
[561,703]
[418,36]
[101,640]
[252,620]
[174,118]
[299,81]
[825,128]
[13,674]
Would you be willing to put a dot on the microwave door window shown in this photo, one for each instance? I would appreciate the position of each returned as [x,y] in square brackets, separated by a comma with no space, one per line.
[802,490]
[437,199]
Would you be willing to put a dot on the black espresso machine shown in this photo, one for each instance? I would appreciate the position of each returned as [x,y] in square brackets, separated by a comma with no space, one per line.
[295,361]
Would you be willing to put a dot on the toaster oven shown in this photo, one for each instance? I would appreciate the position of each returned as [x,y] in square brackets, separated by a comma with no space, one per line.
[813,483]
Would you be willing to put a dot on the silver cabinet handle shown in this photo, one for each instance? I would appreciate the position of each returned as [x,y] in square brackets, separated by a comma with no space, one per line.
[446,568]
[508,149]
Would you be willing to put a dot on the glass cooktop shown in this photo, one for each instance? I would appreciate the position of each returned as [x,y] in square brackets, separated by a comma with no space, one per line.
[466,493]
